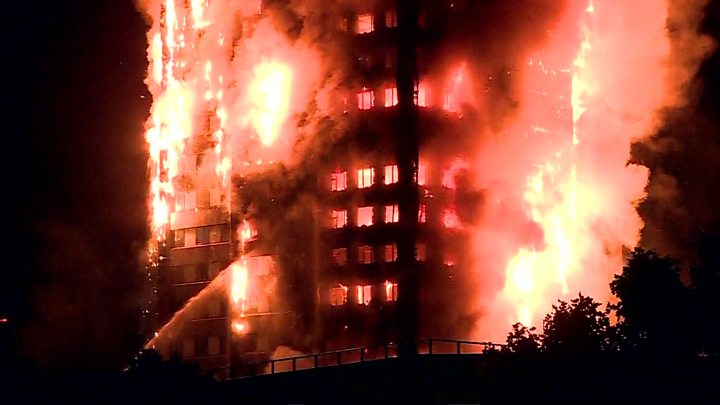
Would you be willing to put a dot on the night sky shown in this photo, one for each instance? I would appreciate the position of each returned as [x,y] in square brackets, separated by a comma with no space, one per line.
[74,175]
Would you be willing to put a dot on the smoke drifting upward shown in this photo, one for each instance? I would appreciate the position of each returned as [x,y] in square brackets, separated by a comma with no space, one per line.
[560,197]
[680,212]
[551,95]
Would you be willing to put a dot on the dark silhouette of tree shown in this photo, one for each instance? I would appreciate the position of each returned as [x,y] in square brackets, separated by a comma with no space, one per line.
[652,310]
[523,341]
[578,328]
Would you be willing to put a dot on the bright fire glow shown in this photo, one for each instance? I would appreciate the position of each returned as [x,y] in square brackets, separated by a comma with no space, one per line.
[269,93]
[580,192]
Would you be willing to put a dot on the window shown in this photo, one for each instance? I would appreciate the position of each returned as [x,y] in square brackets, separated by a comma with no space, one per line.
[365,254]
[391,96]
[422,214]
[338,181]
[214,269]
[391,291]
[340,256]
[203,235]
[391,252]
[421,95]
[366,177]
[338,295]
[215,197]
[391,19]
[203,198]
[252,303]
[364,294]
[190,239]
[448,180]
[366,99]
[450,219]
[449,103]
[420,252]
[215,234]
[188,273]
[365,216]
[338,219]
[421,174]
[186,201]
[213,346]
[365,23]
[391,214]
[188,348]
[450,174]
[180,238]
[391,174]
[201,271]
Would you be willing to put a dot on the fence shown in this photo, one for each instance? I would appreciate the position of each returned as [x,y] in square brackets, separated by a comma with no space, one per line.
[363,354]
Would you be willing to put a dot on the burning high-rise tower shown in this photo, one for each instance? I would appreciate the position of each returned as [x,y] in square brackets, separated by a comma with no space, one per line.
[327,174]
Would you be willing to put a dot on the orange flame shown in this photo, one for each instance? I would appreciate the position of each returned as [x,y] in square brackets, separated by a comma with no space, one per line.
[269,94]
[584,203]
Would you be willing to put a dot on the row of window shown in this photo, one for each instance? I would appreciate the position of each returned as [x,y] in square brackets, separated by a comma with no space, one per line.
[363,294]
[366,254]
[367,22]
[365,216]
[211,346]
[366,97]
[201,236]
[190,273]
[197,199]
[366,177]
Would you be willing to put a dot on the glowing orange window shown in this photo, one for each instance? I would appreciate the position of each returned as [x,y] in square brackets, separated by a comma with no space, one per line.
[391,252]
[364,294]
[391,291]
[338,219]
[422,213]
[448,180]
[338,181]
[449,103]
[421,95]
[391,96]
[421,174]
[338,295]
[366,99]
[366,177]
[365,254]
[451,219]
[391,174]
[365,216]
[392,214]
[365,23]
[391,19]
[340,256]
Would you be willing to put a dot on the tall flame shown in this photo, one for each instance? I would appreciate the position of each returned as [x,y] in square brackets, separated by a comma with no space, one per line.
[269,93]
[582,193]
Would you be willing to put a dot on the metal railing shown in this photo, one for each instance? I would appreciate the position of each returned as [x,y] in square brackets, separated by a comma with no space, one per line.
[361,355]
[453,346]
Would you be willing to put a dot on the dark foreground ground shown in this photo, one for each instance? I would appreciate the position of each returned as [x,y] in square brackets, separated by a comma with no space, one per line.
[484,379]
